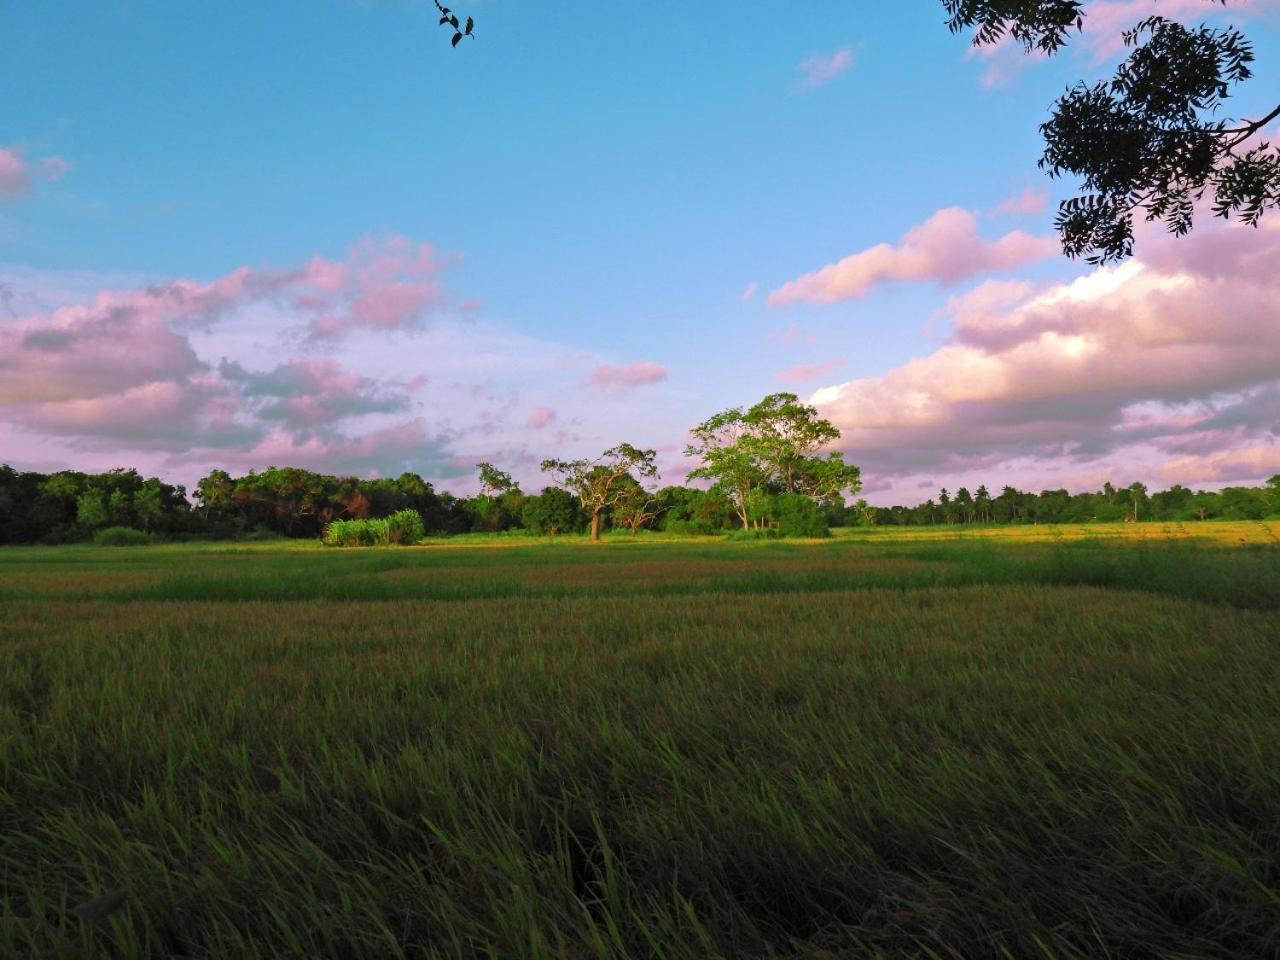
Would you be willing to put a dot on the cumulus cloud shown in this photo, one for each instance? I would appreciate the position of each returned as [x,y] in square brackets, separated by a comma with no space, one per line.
[18,174]
[120,369]
[945,249]
[1173,355]
[157,415]
[805,372]
[821,68]
[628,375]
[82,352]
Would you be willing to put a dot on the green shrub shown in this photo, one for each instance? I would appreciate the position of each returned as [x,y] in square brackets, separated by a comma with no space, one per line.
[552,512]
[762,533]
[403,526]
[799,516]
[122,537]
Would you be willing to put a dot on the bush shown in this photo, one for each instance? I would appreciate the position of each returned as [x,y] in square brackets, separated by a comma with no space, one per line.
[403,526]
[122,537]
[554,511]
[799,516]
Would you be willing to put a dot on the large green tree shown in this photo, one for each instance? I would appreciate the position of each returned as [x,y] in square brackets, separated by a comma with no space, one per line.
[770,447]
[599,484]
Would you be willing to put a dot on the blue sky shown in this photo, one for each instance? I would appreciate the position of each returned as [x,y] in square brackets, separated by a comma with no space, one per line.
[600,185]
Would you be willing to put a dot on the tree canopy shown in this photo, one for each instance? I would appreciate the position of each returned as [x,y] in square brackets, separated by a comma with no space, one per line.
[769,449]
[600,483]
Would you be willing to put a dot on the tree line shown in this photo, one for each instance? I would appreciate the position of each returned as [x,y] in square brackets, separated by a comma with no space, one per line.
[764,468]
[1111,504]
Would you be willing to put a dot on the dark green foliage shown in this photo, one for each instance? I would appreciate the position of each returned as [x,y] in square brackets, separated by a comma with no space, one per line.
[1036,24]
[698,512]
[68,506]
[554,512]
[798,516]
[1150,141]
[298,503]
[1109,505]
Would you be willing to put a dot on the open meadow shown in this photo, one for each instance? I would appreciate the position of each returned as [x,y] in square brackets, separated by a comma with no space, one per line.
[1025,742]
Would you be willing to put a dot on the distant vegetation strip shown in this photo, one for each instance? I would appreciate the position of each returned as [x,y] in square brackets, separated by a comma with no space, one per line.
[766,476]
[71,506]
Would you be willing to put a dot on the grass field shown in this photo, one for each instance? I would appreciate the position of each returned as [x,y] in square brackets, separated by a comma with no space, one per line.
[1031,742]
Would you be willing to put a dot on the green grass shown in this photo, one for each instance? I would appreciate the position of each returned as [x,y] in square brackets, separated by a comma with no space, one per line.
[1052,743]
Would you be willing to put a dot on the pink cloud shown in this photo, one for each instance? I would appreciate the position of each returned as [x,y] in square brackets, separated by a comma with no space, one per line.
[121,369]
[17,174]
[944,249]
[1166,364]
[1244,464]
[636,374]
[541,417]
[14,178]
[1029,202]
[749,291]
[805,372]
[81,352]
[821,68]
[388,284]
[161,415]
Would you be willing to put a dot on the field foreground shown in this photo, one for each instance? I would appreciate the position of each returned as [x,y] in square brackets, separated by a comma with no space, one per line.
[1042,743]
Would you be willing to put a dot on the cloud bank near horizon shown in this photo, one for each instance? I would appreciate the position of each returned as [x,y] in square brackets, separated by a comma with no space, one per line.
[355,365]
[1166,369]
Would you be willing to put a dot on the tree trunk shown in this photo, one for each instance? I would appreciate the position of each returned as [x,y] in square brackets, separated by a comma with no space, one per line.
[595,525]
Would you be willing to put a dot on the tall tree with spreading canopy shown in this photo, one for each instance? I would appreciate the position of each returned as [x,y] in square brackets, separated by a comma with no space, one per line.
[599,483]
[494,482]
[770,447]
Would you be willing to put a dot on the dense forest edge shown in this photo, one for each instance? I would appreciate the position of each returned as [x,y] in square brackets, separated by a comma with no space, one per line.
[122,506]
[766,472]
